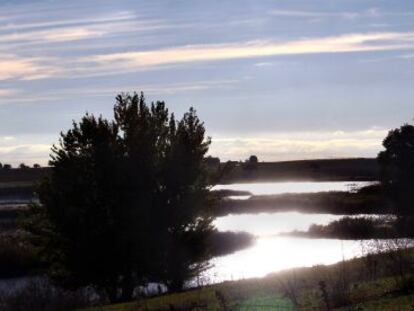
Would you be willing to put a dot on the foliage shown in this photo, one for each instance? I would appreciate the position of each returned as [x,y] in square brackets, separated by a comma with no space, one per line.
[127,200]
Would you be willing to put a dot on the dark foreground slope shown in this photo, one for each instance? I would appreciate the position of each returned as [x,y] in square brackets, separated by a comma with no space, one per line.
[367,283]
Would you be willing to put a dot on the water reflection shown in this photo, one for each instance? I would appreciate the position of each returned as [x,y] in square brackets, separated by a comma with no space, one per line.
[272,254]
[269,224]
[294,187]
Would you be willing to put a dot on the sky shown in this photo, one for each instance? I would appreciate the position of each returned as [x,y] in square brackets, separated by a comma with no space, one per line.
[281,79]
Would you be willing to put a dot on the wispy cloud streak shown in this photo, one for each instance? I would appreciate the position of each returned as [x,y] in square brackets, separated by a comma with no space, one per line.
[348,15]
[214,52]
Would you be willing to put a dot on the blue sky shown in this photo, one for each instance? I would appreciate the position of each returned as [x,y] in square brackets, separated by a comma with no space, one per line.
[280,79]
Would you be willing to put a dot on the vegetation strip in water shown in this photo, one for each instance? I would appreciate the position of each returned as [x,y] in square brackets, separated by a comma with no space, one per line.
[367,200]
[352,228]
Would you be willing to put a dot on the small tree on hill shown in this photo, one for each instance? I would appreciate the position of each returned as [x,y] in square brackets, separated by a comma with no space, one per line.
[251,163]
[23,166]
[253,160]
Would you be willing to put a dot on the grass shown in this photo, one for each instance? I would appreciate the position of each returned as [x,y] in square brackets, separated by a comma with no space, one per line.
[203,299]
[266,303]
[399,303]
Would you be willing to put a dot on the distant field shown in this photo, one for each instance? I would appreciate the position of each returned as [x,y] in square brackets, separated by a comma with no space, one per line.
[21,177]
[18,185]
[327,170]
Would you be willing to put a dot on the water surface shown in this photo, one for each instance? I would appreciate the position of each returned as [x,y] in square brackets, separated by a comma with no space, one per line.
[265,224]
[272,252]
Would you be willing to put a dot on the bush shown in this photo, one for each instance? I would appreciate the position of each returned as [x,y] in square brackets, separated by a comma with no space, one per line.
[17,257]
[41,295]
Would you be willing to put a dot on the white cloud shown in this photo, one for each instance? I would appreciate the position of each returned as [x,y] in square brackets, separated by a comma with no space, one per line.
[313,14]
[347,15]
[300,145]
[406,56]
[62,34]
[115,17]
[27,153]
[149,89]
[7,92]
[362,42]
[15,67]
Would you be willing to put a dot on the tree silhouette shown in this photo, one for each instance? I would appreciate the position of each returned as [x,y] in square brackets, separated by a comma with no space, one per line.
[253,160]
[397,172]
[127,201]
[23,166]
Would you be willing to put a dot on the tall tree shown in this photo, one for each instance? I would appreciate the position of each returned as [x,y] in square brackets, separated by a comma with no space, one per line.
[127,200]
